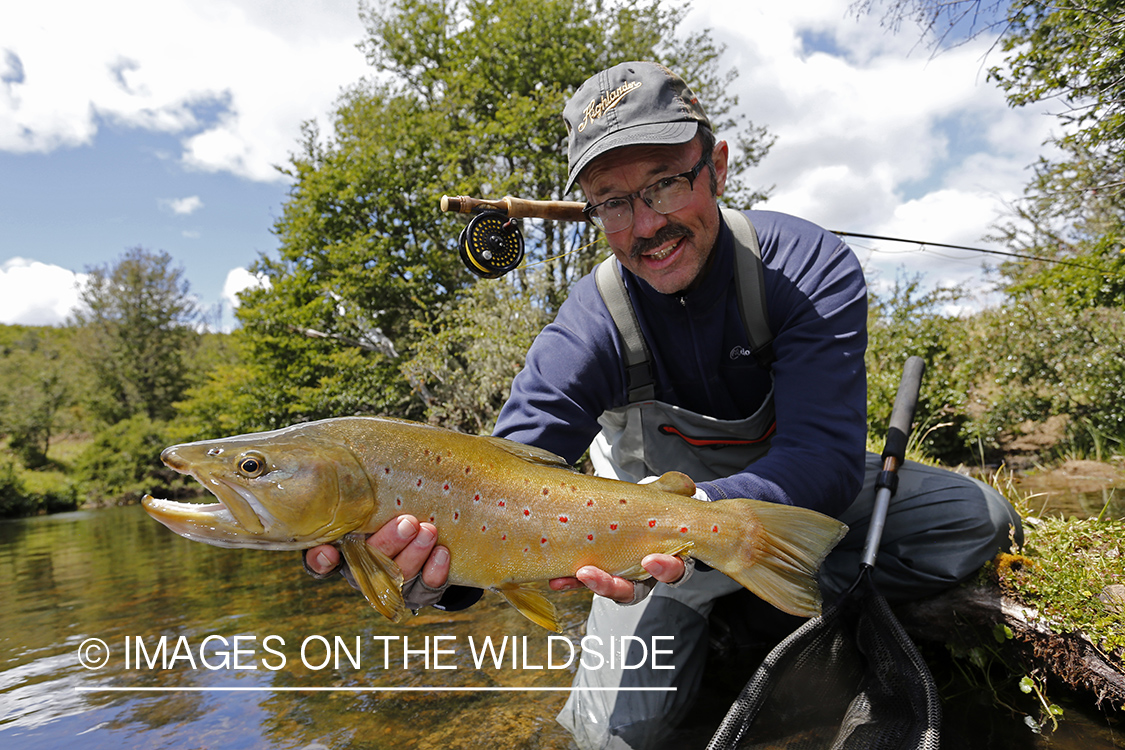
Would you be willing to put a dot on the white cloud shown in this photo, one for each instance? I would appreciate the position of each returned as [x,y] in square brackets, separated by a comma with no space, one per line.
[233,78]
[874,134]
[37,294]
[182,206]
[239,279]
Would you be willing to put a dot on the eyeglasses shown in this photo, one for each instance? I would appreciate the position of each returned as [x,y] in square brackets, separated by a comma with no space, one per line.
[663,196]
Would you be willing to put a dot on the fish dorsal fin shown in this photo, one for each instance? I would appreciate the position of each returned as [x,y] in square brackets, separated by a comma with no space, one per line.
[529,453]
[532,605]
[377,575]
[676,483]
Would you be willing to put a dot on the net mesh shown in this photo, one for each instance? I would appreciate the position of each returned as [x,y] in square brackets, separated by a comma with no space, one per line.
[846,680]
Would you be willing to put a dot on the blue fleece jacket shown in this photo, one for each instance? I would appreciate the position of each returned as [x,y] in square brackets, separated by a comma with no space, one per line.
[817,302]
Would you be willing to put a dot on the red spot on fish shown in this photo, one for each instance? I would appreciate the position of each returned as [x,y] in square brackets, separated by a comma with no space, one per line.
[590,537]
[431,519]
[504,538]
[624,502]
[398,501]
[526,512]
[543,540]
[437,460]
[652,523]
[387,470]
[525,549]
[476,498]
[546,491]
[419,482]
[563,519]
[683,529]
[457,515]
[500,504]
[613,527]
[483,528]
[446,487]
[589,503]
[468,469]
[715,529]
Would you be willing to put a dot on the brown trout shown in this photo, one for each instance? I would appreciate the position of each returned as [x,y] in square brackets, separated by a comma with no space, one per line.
[510,514]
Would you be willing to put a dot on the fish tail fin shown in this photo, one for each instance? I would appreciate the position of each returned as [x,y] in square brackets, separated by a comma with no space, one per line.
[377,576]
[781,549]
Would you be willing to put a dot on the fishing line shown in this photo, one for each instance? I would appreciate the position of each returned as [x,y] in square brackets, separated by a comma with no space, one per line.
[922,245]
[398,689]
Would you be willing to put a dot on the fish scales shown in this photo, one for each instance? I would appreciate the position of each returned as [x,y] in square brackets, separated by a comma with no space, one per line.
[511,515]
[541,523]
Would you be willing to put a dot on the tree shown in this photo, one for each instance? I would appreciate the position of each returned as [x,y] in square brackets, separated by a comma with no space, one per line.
[136,325]
[467,100]
[1073,53]
[38,386]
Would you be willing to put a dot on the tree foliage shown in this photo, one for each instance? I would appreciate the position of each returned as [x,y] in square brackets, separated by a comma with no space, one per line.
[37,368]
[466,98]
[136,330]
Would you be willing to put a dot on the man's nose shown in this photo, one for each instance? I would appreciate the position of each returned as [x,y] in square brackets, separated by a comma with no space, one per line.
[646,221]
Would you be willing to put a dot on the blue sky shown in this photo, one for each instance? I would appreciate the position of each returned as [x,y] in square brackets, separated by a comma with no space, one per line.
[128,122]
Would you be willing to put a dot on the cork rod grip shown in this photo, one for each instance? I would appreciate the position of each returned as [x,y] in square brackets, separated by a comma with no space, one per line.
[516,208]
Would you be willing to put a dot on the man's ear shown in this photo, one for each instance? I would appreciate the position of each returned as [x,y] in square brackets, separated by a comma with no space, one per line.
[720,156]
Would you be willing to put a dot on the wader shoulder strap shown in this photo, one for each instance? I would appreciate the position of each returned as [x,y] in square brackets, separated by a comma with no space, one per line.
[638,361]
[750,286]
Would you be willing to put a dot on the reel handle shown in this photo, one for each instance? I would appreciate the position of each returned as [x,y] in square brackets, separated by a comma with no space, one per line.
[516,208]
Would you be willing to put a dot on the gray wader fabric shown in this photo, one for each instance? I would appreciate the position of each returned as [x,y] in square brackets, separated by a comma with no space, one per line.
[941,527]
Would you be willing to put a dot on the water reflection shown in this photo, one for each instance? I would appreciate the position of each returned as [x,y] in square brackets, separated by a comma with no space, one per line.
[114,575]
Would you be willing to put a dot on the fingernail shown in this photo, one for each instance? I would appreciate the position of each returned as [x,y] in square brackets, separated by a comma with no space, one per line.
[655,568]
[406,529]
[440,556]
[322,562]
[425,537]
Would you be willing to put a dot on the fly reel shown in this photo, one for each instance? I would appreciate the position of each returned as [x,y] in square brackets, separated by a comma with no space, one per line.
[491,245]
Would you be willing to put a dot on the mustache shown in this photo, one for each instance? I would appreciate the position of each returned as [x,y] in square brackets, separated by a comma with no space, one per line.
[670,231]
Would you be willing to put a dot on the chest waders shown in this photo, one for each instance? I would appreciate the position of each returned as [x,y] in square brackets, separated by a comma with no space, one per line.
[940,529]
[649,437]
[644,438]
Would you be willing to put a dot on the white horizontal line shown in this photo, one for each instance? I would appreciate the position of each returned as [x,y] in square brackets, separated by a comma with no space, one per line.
[366,689]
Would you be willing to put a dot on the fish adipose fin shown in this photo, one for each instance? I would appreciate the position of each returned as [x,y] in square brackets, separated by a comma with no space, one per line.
[676,483]
[532,605]
[378,576]
[782,550]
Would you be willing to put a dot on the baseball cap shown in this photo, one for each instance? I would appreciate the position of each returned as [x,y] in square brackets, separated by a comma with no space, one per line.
[629,104]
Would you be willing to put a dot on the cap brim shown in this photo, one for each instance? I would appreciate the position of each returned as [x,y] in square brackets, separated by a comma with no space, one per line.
[659,134]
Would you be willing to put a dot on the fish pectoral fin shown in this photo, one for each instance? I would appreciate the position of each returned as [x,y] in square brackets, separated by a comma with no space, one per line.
[676,483]
[532,605]
[638,573]
[377,575]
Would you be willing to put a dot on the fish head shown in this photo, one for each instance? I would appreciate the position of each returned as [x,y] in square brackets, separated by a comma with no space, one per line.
[285,489]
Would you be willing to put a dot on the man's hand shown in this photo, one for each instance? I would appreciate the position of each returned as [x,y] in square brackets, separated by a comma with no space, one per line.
[406,541]
[666,568]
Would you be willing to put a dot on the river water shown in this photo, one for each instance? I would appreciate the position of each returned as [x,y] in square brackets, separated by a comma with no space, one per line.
[115,633]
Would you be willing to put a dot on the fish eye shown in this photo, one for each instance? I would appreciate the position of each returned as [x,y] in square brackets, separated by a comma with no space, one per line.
[252,464]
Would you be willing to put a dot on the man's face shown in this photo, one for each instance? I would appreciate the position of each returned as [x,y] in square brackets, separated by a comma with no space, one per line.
[669,251]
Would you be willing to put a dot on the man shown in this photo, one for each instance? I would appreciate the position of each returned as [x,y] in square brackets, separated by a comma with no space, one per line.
[781,420]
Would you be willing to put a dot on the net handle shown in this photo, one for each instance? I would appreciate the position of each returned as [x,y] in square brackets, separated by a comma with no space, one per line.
[894,453]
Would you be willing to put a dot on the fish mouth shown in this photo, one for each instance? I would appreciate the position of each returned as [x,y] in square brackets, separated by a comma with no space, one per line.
[238,519]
